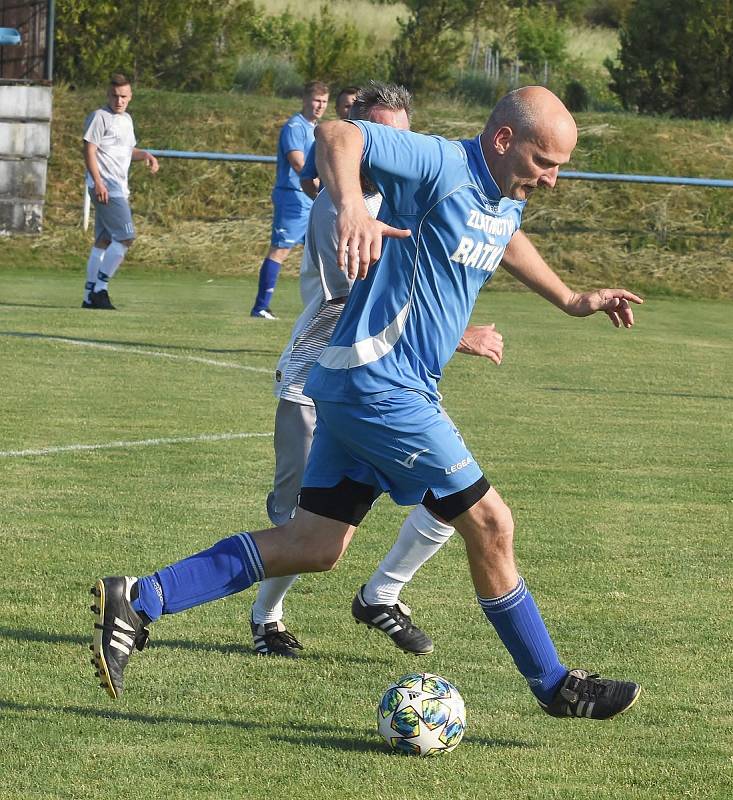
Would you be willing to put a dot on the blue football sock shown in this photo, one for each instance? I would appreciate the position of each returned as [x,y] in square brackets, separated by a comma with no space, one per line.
[268,278]
[230,566]
[149,600]
[517,620]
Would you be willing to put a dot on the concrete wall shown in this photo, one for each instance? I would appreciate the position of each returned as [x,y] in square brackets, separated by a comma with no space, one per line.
[25,145]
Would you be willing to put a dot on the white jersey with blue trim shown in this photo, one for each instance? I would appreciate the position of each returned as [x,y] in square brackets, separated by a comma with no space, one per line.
[403,322]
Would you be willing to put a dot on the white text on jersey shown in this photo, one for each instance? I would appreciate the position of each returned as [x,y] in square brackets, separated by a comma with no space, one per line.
[480,254]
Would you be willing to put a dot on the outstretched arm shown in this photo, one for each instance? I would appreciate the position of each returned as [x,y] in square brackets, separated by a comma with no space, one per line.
[151,162]
[482,340]
[522,260]
[338,159]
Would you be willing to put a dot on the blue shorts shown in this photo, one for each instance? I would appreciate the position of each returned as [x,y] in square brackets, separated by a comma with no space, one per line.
[290,217]
[403,444]
[113,219]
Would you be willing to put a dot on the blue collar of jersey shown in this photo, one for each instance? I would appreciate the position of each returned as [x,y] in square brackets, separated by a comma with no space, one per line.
[307,121]
[480,170]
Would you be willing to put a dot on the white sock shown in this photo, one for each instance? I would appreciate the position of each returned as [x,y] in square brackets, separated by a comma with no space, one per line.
[94,264]
[113,258]
[420,538]
[268,607]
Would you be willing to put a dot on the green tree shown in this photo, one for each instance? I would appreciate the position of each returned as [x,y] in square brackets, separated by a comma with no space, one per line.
[540,38]
[676,57]
[186,44]
[89,43]
[334,51]
[431,39]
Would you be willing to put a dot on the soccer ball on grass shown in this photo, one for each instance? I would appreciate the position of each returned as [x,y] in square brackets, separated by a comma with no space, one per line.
[422,714]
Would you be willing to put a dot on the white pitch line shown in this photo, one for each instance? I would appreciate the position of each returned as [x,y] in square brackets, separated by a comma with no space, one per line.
[69,448]
[155,353]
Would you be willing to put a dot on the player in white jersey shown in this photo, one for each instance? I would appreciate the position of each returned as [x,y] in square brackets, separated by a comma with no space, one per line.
[324,288]
[109,147]
[449,216]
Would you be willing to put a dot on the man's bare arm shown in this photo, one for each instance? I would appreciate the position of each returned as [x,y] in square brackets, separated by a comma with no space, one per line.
[90,160]
[523,261]
[151,162]
[310,186]
[482,340]
[338,158]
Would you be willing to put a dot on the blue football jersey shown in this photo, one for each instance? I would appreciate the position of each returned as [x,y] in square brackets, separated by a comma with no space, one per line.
[296,134]
[402,324]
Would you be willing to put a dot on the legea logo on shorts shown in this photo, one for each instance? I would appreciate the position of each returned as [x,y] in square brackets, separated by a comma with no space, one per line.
[459,466]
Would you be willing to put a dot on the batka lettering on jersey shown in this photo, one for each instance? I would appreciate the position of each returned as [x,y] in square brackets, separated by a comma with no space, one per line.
[484,252]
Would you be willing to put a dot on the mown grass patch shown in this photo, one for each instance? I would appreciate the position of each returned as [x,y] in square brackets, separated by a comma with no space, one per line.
[611,447]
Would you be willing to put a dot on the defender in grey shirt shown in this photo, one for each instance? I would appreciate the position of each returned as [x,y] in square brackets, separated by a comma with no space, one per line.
[109,147]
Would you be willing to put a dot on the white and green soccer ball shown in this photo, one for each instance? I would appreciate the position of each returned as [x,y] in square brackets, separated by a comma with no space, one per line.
[422,714]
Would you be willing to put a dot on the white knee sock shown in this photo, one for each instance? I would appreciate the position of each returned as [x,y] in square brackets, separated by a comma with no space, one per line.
[94,264]
[420,538]
[268,607]
[114,256]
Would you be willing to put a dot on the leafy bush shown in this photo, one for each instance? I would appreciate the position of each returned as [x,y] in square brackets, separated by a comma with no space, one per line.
[475,86]
[676,57]
[265,73]
[333,50]
[430,42]
[565,9]
[540,38]
[183,44]
[608,13]
[576,97]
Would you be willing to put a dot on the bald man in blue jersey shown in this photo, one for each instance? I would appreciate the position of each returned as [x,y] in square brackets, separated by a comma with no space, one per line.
[450,216]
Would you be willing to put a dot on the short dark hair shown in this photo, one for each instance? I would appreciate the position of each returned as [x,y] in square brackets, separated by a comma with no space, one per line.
[347,90]
[312,88]
[388,95]
[118,79]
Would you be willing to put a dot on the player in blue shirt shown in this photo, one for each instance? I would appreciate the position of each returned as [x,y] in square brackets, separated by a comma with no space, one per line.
[309,182]
[291,204]
[450,216]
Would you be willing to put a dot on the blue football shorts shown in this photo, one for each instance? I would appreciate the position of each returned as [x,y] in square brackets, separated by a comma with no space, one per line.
[290,217]
[112,220]
[403,444]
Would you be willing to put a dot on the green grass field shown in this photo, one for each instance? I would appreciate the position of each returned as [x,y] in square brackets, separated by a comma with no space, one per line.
[612,447]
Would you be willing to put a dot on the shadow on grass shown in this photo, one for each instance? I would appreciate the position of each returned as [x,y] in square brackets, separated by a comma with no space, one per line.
[124,716]
[365,742]
[328,737]
[122,343]
[308,655]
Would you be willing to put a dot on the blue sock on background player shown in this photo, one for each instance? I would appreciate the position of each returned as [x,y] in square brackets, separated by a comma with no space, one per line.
[517,620]
[268,278]
[227,567]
